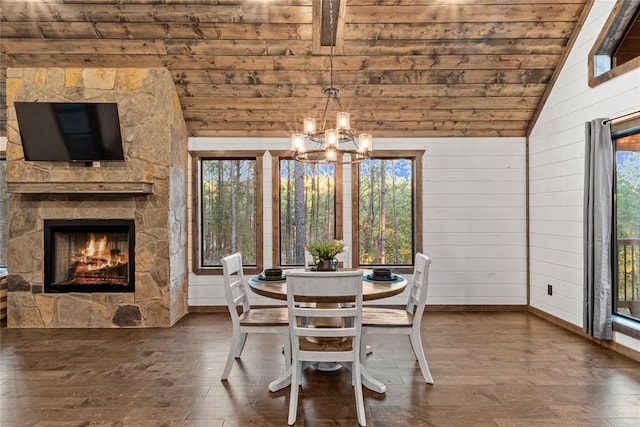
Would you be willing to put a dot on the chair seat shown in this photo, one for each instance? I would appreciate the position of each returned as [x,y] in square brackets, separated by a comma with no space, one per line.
[272,316]
[384,317]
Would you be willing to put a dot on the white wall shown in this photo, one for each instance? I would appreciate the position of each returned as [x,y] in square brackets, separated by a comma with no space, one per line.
[473,222]
[556,150]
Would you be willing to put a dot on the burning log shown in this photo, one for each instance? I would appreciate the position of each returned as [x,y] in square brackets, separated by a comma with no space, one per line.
[98,263]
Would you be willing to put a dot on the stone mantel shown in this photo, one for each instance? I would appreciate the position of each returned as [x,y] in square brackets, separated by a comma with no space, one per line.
[80,187]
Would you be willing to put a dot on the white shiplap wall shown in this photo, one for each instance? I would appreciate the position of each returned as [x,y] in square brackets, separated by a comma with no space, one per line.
[556,150]
[474,220]
[474,217]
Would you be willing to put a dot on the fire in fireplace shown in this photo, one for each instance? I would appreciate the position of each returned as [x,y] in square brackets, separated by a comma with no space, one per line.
[89,255]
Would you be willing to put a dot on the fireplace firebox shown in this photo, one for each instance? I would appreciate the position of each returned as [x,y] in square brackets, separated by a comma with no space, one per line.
[89,255]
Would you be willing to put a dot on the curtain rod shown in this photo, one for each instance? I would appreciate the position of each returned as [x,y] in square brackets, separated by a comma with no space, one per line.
[622,118]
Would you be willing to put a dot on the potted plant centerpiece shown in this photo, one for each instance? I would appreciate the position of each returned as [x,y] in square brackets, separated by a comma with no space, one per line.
[324,254]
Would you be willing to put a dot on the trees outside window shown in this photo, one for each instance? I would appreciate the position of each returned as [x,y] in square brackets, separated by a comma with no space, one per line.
[307,206]
[3,213]
[387,216]
[627,227]
[229,215]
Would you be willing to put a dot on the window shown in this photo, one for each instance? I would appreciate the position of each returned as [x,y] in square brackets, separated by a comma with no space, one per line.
[308,206]
[229,213]
[615,51]
[387,209]
[627,225]
[4,231]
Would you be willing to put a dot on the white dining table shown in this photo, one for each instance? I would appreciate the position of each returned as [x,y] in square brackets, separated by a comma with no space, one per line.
[371,290]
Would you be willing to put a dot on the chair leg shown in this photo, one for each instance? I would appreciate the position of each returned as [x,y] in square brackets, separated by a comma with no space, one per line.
[235,341]
[418,351]
[241,343]
[293,396]
[356,376]
[287,351]
[363,345]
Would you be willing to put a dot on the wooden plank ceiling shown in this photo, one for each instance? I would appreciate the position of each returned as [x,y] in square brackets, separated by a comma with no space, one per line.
[405,68]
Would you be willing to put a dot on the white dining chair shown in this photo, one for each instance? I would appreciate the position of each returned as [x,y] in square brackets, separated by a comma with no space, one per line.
[343,257]
[271,320]
[339,342]
[405,321]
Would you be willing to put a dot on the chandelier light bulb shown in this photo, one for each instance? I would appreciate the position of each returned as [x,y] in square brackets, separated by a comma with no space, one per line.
[297,142]
[331,154]
[330,138]
[309,125]
[343,120]
[365,142]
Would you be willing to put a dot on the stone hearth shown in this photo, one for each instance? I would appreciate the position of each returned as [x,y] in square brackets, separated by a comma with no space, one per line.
[149,187]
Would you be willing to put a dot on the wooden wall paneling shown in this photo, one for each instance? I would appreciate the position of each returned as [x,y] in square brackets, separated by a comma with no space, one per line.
[344,79]
[471,12]
[434,30]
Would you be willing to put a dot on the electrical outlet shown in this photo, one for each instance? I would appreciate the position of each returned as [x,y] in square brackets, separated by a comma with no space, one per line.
[549,290]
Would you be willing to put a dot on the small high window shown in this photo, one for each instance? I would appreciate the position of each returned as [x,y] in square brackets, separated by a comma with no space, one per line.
[617,48]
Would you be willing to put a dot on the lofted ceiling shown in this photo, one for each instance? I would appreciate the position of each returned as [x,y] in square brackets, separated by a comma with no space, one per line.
[404,68]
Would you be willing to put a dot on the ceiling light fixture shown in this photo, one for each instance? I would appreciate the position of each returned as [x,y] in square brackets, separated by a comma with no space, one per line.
[331,146]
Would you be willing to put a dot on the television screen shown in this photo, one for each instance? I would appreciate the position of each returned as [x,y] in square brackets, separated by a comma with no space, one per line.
[70,131]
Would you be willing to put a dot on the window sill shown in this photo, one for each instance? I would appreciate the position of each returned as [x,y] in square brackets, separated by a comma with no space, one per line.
[626,326]
[217,271]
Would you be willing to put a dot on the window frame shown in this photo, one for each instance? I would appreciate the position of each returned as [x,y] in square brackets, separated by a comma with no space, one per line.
[197,157]
[276,157]
[623,324]
[609,39]
[416,156]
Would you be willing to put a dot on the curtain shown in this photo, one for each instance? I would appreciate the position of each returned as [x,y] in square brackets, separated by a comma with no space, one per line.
[598,202]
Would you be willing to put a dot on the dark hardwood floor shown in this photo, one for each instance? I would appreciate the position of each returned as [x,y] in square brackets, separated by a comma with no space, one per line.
[490,369]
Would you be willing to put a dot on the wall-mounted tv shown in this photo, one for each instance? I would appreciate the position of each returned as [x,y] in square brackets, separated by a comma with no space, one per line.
[70,131]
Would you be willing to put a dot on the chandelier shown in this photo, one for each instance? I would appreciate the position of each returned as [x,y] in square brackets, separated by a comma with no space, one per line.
[337,145]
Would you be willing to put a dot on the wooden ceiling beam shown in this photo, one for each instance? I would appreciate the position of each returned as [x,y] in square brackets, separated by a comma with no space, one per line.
[328,26]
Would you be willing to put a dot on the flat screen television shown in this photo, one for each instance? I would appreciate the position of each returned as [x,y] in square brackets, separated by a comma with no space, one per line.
[70,131]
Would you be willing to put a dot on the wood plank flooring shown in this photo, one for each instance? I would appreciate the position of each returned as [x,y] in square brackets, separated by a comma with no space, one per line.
[490,369]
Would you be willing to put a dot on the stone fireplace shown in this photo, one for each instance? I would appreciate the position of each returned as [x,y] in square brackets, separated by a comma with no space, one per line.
[71,260]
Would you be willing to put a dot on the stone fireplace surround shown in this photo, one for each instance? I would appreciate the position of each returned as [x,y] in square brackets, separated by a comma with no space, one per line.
[149,187]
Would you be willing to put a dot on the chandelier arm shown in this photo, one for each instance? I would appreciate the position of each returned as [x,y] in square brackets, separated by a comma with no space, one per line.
[324,115]
[338,101]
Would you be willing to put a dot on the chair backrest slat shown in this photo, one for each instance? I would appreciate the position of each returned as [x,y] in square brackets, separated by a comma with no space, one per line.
[419,286]
[235,289]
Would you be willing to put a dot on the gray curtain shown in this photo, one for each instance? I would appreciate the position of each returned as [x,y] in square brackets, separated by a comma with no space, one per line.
[598,200]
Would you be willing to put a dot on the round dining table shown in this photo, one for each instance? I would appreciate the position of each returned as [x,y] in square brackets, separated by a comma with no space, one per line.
[371,290]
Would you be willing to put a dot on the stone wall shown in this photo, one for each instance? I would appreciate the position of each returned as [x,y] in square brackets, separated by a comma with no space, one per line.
[155,145]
